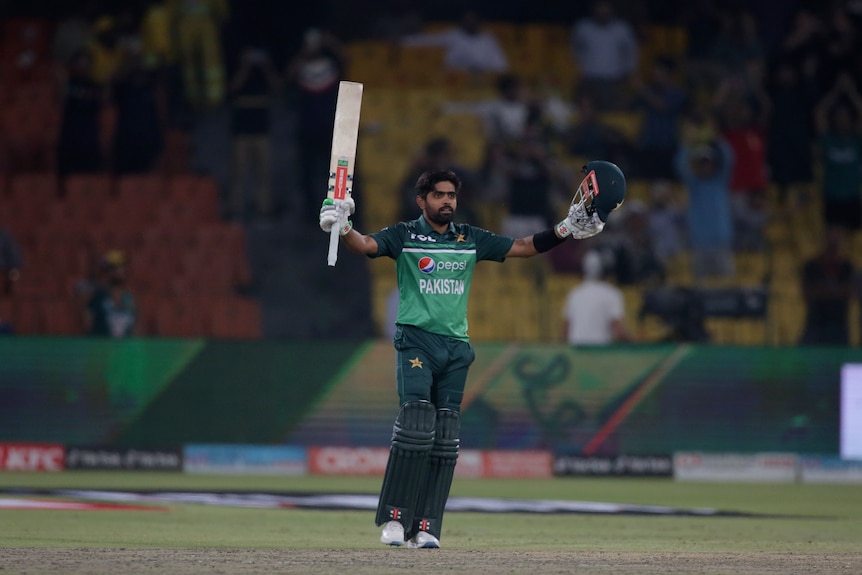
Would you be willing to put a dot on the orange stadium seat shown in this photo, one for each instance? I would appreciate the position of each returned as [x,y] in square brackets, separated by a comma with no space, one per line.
[23,313]
[199,191]
[231,240]
[87,189]
[179,317]
[40,188]
[28,134]
[234,317]
[150,185]
[132,214]
[209,271]
[60,316]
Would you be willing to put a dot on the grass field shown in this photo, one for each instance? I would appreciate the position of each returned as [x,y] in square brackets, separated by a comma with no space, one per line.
[808,529]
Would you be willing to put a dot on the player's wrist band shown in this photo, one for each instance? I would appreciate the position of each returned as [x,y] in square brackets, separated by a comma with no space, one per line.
[345,229]
[543,241]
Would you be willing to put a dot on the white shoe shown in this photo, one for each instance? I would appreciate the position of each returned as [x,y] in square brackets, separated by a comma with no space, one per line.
[423,540]
[393,534]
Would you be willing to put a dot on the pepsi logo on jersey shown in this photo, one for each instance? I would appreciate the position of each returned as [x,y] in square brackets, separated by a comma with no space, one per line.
[426,265]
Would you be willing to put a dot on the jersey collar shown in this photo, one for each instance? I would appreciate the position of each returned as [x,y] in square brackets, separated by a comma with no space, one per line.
[426,229]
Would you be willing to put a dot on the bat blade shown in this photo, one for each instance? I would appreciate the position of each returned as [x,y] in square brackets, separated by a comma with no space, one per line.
[345,134]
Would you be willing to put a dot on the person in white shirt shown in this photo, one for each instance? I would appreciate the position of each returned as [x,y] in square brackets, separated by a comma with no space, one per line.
[469,48]
[606,50]
[594,312]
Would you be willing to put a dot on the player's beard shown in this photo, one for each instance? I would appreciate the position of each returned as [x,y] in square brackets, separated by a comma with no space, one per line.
[442,218]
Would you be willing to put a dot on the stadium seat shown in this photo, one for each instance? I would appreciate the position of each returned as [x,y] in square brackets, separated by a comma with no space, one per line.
[230,239]
[208,271]
[234,317]
[179,317]
[60,316]
[40,279]
[132,185]
[28,134]
[23,313]
[135,213]
[87,189]
[40,188]
[176,158]
[200,192]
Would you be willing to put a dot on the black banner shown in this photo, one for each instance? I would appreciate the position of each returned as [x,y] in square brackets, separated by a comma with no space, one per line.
[127,458]
[630,465]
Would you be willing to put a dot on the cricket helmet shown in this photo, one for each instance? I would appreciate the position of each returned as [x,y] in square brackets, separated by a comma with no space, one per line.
[603,189]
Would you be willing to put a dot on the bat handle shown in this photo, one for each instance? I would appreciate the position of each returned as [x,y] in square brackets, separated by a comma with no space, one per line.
[333,246]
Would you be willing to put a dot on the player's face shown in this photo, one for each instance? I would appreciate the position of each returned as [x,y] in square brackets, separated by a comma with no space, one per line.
[440,203]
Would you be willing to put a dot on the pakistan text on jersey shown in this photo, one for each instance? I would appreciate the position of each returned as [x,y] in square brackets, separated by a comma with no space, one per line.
[441,286]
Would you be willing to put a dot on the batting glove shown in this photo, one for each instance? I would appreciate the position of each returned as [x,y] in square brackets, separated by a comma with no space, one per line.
[335,213]
[579,224]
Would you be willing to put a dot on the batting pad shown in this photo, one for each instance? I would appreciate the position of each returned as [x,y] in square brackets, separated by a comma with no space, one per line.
[441,469]
[412,441]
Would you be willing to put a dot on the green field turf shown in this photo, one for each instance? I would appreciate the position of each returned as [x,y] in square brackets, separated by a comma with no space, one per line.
[811,519]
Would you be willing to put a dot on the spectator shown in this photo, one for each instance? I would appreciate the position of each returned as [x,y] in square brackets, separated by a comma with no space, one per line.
[743,126]
[469,47]
[6,327]
[631,247]
[74,31]
[198,28]
[827,287]
[10,261]
[791,130]
[837,119]
[504,119]
[665,223]
[803,43]
[606,50]
[110,309]
[105,50]
[588,136]
[139,130]
[161,54]
[439,154]
[397,18]
[842,43]
[532,176]
[701,20]
[504,116]
[251,90]
[314,73]
[594,311]
[79,146]
[705,167]
[738,41]
[662,103]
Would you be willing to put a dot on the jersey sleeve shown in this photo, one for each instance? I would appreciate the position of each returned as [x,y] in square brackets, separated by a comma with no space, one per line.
[490,246]
[390,240]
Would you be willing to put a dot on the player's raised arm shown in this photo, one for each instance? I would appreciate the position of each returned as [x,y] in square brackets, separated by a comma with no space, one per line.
[602,191]
[332,212]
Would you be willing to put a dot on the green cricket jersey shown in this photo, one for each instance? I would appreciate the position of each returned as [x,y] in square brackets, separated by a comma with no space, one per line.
[434,271]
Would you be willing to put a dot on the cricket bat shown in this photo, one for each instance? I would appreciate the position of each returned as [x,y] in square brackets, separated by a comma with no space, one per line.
[342,161]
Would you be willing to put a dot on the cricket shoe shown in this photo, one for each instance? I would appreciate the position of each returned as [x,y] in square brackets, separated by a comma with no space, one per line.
[423,540]
[393,534]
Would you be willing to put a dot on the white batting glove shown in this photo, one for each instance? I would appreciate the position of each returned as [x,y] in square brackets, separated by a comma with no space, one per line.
[579,225]
[336,213]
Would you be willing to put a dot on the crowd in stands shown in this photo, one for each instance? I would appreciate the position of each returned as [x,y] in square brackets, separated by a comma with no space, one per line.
[750,122]
[752,125]
[107,230]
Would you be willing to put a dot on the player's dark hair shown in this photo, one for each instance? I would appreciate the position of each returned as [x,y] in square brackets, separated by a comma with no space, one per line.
[429,180]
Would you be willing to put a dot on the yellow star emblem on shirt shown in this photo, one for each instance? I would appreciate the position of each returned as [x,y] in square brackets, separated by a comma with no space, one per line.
[416,363]
[461,238]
